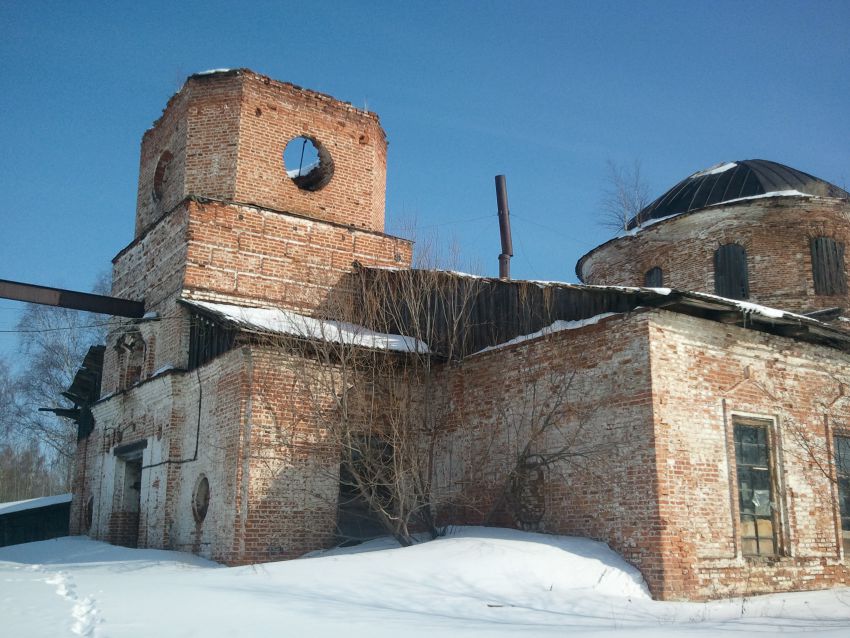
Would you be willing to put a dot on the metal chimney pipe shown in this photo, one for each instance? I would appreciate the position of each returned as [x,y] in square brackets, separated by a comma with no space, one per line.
[504,228]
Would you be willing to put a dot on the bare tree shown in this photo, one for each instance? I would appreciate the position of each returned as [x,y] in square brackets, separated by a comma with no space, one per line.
[379,397]
[53,342]
[26,472]
[550,432]
[9,400]
[625,195]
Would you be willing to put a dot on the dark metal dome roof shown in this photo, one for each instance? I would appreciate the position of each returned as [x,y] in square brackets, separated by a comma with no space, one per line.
[734,180]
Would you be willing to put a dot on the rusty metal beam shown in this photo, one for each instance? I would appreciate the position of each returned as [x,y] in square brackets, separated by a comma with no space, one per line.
[99,304]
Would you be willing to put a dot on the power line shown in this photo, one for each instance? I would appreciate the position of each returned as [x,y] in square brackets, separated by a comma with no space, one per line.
[456,221]
[553,230]
[93,325]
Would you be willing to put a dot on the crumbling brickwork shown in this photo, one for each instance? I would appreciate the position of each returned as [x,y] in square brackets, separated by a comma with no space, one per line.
[660,390]
[225,133]
[231,456]
[601,488]
[703,377]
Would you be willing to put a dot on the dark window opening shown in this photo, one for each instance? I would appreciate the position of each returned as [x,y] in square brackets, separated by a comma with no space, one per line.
[131,350]
[731,278]
[842,475]
[755,490]
[654,277]
[207,340]
[365,479]
[307,163]
[828,266]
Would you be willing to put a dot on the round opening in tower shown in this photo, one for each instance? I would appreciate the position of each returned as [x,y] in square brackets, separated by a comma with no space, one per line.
[307,163]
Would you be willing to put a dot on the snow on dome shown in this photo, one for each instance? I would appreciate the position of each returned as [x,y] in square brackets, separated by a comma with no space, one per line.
[715,170]
[789,193]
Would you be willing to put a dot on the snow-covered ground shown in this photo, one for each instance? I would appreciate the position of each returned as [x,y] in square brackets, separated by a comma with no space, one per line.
[476,582]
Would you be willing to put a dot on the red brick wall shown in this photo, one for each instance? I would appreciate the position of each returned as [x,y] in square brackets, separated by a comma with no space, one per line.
[703,374]
[168,134]
[250,255]
[274,113]
[774,231]
[607,489]
[291,466]
[124,529]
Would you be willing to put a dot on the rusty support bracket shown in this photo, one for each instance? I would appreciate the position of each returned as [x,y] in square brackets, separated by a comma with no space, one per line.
[100,304]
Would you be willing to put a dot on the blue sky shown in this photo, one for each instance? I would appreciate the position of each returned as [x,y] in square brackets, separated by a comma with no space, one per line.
[545,93]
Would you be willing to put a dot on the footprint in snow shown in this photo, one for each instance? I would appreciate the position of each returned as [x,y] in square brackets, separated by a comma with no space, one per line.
[84,612]
[85,617]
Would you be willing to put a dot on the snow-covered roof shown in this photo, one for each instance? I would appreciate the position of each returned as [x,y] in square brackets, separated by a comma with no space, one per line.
[33,503]
[557,326]
[286,322]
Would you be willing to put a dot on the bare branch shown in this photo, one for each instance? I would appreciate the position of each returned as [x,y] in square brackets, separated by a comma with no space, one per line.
[625,195]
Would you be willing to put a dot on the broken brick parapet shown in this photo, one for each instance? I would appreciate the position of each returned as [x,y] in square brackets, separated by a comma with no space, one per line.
[223,137]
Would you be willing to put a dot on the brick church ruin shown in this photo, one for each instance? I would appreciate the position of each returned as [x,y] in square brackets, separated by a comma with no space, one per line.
[688,404]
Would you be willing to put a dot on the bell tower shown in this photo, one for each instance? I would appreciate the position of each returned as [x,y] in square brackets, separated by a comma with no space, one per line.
[223,136]
[225,213]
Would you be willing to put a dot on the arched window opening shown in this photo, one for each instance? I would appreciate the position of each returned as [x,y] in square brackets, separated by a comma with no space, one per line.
[131,357]
[653,278]
[828,266]
[731,278]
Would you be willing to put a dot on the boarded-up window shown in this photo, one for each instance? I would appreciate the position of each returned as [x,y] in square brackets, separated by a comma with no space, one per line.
[755,489]
[842,473]
[653,278]
[828,266]
[730,272]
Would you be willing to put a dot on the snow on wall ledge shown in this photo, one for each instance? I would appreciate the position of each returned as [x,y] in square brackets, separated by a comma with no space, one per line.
[557,326]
